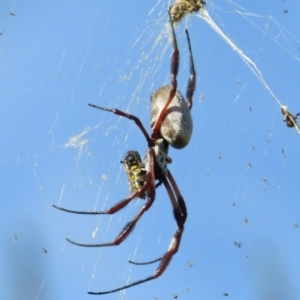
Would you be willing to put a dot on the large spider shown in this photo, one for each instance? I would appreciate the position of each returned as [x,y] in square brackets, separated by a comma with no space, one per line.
[171,124]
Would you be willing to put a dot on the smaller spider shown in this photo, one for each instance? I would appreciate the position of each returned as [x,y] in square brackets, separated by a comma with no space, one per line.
[291,121]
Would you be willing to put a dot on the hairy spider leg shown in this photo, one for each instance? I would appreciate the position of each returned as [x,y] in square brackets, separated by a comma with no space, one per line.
[136,120]
[150,186]
[180,214]
[179,210]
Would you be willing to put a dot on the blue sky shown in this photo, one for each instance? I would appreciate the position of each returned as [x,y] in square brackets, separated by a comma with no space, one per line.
[239,174]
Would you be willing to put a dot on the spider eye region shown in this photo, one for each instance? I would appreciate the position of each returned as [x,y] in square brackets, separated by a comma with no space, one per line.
[177,127]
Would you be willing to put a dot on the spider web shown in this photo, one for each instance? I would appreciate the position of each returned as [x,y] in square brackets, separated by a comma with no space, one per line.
[239,175]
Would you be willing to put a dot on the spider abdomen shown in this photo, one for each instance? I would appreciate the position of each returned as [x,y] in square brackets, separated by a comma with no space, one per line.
[177,126]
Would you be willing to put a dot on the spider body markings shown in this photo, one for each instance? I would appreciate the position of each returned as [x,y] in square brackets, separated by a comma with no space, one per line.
[171,124]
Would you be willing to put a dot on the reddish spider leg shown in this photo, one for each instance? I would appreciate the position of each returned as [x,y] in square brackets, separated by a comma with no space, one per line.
[174,71]
[110,211]
[123,203]
[180,214]
[192,81]
[149,186]
[136,120]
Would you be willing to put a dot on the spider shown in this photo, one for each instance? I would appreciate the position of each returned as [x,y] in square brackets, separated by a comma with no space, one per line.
[291,121]
[171,124]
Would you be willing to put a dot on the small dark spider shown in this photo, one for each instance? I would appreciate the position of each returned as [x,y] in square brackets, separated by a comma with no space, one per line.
[238,244]
[291,121]
[171,124]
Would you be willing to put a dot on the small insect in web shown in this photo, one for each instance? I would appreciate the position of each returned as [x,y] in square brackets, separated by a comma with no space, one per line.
[135,171]
[291,121]
[171,124]
[183,7]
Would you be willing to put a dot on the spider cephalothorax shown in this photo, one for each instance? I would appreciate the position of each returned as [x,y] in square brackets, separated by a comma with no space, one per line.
[171,124]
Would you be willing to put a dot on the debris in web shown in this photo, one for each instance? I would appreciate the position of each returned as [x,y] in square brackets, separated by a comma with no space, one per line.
[183,7]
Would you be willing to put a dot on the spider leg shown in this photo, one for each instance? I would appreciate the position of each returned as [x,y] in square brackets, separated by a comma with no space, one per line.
[159,271]
[150,186]
[180,211]
[145,262]
[180,215]
[192,81]
[128,116]
[111,210]
[174,72]
[158,184]
[181,203]
[124,286]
